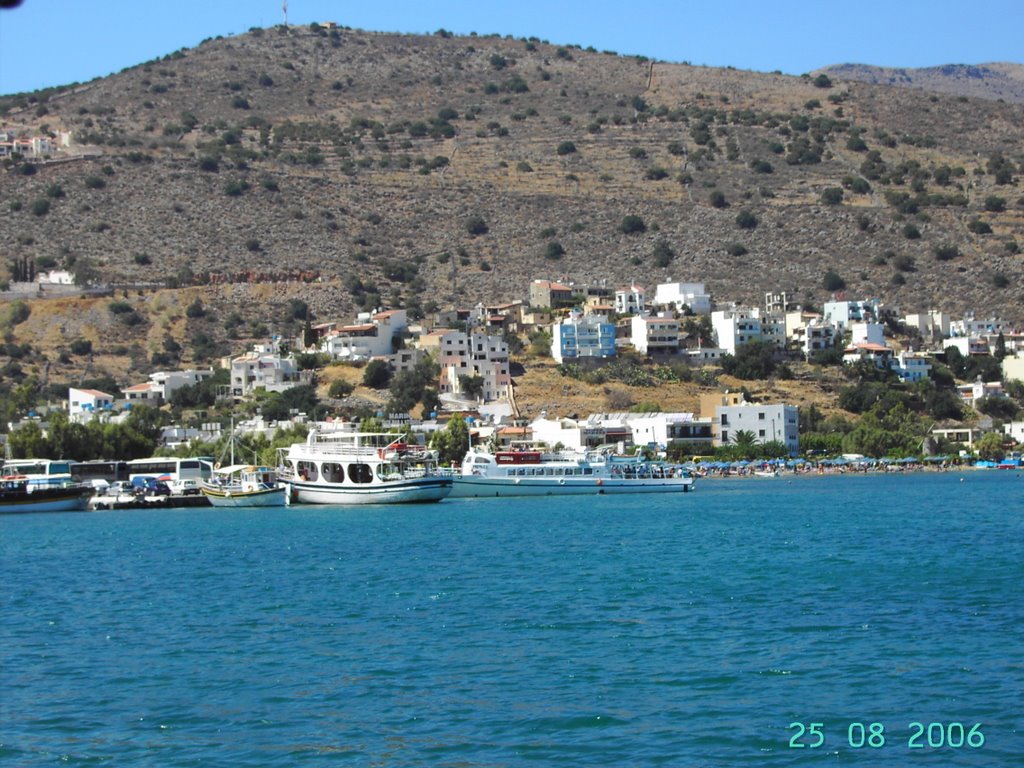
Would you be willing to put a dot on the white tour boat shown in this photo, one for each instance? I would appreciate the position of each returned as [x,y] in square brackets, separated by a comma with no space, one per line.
[244,485]
[535,473]
[361,468]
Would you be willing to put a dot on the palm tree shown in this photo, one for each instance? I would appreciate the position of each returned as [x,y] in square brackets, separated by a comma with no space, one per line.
[746,442]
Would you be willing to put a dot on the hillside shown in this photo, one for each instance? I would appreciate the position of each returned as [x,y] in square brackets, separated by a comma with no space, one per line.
[349,169]
[1002,80]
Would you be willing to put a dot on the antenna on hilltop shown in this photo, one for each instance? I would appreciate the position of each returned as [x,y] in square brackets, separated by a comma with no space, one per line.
[284,8]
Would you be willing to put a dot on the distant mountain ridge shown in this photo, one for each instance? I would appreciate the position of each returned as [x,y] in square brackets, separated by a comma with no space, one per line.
[998,80]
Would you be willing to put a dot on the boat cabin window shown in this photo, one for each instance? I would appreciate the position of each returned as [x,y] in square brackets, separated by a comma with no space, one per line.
[360,473]
[333,472]
[307,470]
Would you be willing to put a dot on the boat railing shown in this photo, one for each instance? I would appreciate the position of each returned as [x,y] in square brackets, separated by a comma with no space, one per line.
[340,449]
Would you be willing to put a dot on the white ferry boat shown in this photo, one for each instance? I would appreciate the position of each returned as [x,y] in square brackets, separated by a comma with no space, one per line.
[535,473]
[361,468]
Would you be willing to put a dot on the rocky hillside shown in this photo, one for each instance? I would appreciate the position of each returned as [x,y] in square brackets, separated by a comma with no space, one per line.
[352,169]
[999,81]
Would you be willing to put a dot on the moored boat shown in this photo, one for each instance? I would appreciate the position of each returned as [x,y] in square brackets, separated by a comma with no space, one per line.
[536,473]
[244,485]
[18,495]
[361,468]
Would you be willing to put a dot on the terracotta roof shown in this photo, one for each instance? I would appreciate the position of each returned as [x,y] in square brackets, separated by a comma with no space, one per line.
[351,328]
[138,387]
[869,348]
[95,393]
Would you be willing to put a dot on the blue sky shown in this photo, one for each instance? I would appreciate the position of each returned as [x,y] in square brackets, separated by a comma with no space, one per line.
[55,42]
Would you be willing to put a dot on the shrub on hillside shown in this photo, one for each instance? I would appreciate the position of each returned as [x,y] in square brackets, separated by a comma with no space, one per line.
[632,225]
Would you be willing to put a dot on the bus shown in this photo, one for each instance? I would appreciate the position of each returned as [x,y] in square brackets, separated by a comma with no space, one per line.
[181,475]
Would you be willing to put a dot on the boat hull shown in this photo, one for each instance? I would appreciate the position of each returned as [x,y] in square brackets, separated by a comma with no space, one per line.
[46,500]
[484,487]
[423,490]
[272,497]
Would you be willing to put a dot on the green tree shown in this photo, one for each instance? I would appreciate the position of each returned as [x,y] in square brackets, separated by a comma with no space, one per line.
[990,447]
[746,443]
[472,386]
[754,360]
[377,374]
[340,388]
[452,442]
[28,442]
[999,353]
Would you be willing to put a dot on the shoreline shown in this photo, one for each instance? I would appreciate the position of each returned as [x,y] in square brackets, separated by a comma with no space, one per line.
[848,472]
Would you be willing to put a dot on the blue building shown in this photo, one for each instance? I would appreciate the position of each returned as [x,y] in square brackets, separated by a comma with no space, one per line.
[581,336]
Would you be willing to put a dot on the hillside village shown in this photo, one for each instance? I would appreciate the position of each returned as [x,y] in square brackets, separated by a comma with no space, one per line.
[177,210]
[469,355]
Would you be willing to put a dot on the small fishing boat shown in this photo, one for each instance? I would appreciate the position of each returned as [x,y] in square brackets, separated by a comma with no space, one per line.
[244,485]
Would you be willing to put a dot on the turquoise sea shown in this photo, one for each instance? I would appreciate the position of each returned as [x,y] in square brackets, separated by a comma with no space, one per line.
[692,630]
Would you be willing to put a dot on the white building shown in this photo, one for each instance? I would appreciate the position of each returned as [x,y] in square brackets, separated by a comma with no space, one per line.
[967,345]
[971,393]
[932,325]
[263,368]
[768,423]
[912,367]
[842,313]
[1014,430]
[867,333]
[630,301]
[813,337]
[742,325]
[56,277]
[879,354]
[571,434]
[84,404]
[657,430]
[654,335]
[372,335]
[702,355]
[474,354]
[681,295]
[1013,368]
[163,384]
[969,325]
[579,336]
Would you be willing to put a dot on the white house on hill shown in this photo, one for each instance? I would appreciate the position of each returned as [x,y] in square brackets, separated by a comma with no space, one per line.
[84,404]
[679,295]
